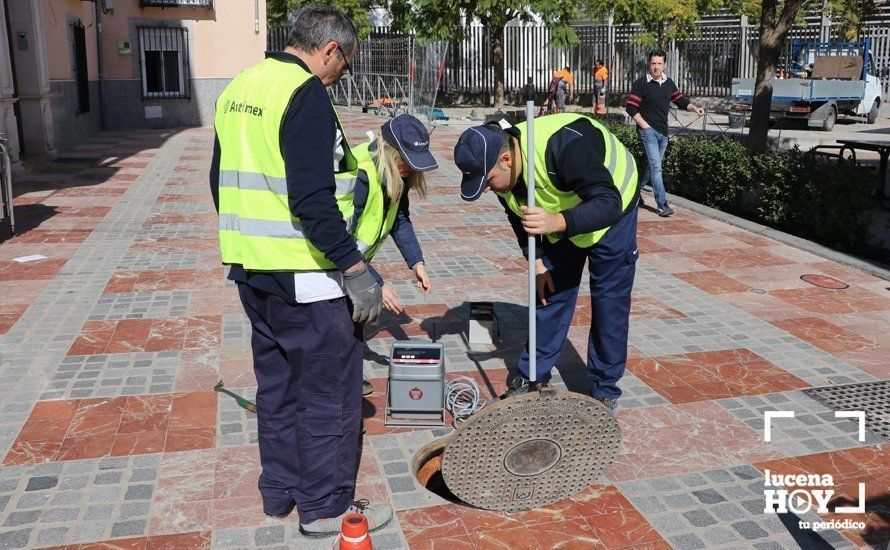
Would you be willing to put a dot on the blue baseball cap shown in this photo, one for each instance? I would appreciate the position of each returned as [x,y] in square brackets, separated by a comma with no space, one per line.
[475,154]
[407,134]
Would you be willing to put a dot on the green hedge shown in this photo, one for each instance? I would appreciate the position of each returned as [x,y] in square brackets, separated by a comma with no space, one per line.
[823,201]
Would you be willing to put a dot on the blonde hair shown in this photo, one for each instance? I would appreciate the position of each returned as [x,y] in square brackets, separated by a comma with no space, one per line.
[387,160]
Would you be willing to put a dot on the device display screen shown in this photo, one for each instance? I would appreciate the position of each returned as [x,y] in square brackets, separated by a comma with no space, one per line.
[411,355]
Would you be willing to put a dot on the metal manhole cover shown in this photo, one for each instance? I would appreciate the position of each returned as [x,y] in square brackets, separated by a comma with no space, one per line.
[871,397]
[824,281]
[530,450]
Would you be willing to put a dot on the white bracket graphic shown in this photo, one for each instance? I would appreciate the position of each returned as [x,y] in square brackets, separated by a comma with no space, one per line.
[854,509]
[767,421]
[860,415]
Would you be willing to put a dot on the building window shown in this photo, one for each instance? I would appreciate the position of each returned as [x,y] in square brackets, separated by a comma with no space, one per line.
[163,54]
[81,74]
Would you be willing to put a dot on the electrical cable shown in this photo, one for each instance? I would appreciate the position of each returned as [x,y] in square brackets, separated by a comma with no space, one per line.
[462,398]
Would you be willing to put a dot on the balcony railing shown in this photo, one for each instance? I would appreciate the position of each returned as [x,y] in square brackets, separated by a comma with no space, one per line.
[176,4]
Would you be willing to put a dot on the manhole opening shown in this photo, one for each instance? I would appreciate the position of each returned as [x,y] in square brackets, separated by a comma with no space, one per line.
[428,470]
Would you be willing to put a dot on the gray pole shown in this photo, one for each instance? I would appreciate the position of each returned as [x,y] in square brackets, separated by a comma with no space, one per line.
[529,170]
[99,59]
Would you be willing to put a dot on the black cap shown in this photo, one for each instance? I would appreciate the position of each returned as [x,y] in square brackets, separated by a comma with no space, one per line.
[475,154]
[407,134]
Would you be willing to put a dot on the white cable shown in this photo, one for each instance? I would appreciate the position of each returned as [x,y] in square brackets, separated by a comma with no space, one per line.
[462,398]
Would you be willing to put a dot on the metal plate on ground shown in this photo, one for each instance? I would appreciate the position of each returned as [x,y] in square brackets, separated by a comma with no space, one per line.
[531,450]
[824,281]
[871,397]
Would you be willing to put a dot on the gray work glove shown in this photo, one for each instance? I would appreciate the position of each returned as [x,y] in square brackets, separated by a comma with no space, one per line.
[365,294]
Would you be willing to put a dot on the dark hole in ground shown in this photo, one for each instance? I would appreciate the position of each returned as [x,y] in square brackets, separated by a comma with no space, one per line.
[428,470]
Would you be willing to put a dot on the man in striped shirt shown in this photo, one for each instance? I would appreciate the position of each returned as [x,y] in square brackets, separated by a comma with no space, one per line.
[648,103]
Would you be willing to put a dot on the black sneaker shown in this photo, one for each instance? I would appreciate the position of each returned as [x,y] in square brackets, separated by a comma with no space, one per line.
[665,211]
[520,385]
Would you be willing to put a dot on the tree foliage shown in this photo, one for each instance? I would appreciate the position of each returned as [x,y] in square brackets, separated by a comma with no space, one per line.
[661,20]
[357,10]
[450,19]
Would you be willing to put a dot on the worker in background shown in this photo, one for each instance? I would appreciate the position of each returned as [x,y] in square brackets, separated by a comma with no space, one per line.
[298,264]
[600,80]
[648,102]
[389,166]
[565,88]
[586,212]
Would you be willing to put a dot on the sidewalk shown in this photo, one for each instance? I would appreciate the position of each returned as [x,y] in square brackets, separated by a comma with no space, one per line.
[110,430]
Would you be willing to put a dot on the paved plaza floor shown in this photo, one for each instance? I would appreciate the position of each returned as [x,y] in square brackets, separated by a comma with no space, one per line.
[111,435]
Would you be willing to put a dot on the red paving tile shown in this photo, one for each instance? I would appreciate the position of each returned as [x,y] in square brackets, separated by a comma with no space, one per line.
[662,445]
[134,335]
[170,279]
[823,334]
[712,375]
[712,282]
[39,269]
[734,258]
[824,301]
[92,428]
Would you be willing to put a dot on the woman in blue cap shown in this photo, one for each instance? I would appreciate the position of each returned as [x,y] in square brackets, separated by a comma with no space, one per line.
[396,160]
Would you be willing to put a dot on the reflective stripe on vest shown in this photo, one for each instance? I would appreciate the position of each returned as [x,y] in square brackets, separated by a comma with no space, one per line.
[256,228]
[618,161]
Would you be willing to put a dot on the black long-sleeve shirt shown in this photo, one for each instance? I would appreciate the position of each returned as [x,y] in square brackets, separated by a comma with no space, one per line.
[652,99]
[308,133]
[575,162]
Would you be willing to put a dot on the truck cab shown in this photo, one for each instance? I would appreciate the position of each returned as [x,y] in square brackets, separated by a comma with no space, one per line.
[820,81]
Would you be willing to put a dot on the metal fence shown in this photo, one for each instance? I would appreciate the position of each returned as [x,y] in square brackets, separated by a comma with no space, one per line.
[702,65]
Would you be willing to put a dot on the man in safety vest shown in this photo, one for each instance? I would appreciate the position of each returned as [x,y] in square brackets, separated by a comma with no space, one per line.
[600,80]
[286,227]
[586,211]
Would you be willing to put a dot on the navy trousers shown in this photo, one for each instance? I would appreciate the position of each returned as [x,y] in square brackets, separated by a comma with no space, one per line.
[308,364]
[612,265]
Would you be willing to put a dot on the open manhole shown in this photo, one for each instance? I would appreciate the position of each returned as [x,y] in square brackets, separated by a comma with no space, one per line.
[427,468]
[871,397]
[824,281]
[521,453]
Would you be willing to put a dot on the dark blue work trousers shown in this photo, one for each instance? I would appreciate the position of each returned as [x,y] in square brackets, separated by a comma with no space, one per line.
[612,264]
[308,364]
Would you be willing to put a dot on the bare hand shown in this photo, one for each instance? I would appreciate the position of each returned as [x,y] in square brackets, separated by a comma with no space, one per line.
[391,300]
[539,221]
[543,281]
[699,111]
[423,280]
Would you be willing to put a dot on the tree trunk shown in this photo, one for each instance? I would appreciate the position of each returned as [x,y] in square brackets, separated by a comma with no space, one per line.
[496,43]
[773,31]
[767,59]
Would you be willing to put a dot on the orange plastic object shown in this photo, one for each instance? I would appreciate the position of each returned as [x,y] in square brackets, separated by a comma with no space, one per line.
[354,533]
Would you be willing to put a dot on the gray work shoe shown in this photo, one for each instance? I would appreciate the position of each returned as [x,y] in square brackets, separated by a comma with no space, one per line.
[611,404]
[367,387]
[378,515]
[665,211]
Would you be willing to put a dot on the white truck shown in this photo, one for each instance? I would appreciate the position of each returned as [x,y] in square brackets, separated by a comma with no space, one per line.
[822,80]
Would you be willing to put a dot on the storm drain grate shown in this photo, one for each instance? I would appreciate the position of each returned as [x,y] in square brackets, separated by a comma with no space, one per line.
[871,397]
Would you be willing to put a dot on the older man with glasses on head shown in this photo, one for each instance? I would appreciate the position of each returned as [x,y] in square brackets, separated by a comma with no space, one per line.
[302,278]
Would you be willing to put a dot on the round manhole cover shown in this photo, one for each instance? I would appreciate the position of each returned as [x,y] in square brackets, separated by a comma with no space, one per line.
[530,450]
[824,281]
